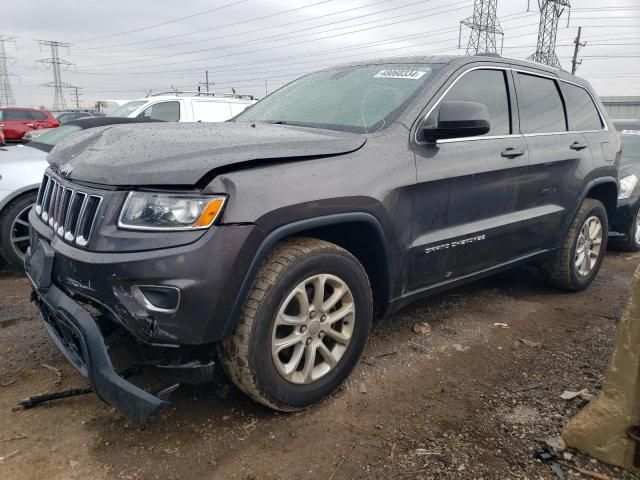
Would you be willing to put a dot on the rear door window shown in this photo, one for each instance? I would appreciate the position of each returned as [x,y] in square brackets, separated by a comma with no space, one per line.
[540,104]
[582,112]
[166,111]
[482,86]
[38,115]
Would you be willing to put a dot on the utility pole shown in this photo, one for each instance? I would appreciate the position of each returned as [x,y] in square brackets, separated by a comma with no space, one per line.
[206,81]
[484,27]
[6,92]
[76,96]
[56,62]
[550,12]
[575,61]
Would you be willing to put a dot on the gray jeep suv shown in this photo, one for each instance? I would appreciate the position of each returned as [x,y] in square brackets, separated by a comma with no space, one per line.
[267,244]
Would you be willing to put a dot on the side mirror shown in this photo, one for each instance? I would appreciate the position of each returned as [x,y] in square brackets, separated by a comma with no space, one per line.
[459,119]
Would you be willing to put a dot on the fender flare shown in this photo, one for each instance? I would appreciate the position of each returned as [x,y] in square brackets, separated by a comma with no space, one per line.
[16,193]
[290,229]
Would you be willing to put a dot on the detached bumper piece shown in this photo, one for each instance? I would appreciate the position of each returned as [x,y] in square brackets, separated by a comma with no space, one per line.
[79,338]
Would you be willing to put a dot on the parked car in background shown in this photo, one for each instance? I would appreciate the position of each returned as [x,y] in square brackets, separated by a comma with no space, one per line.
[1,137]
[176,107]
[626,224]
[109,106]
[266,244]
[16,122]
[70,115]
[63,117]
[21,169]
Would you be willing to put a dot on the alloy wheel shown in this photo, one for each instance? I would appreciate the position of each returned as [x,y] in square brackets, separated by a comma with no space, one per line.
[588,246]
[19,236]
[313,328]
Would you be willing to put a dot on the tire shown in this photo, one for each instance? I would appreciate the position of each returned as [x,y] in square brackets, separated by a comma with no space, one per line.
[561,268]
[247,356]
[631,241]
[10,229]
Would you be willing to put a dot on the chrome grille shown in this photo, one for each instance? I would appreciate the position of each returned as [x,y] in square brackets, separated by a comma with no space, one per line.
[70,212]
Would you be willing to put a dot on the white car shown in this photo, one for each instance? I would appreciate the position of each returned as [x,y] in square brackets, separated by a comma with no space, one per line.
[179,108]
[21,170]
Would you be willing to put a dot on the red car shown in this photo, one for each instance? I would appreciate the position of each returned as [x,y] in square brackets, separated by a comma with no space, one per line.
[15,122]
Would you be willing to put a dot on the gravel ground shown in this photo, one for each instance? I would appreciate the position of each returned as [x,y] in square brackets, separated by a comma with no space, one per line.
[438,404]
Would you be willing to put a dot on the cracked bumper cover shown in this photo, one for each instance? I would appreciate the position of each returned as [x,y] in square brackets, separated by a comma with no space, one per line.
[78,337]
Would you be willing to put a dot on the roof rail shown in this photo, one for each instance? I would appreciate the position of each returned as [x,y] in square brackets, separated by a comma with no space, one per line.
[196,93]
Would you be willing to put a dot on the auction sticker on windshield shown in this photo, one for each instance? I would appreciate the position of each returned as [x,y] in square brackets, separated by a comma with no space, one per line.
[407,74]
[630,132]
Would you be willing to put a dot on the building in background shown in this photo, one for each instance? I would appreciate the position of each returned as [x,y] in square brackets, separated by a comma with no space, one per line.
[622,107]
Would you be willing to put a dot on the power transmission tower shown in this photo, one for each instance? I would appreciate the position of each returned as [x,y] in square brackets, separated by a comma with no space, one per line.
[6,92]
[576,50]
[56,62]
[484,27]
[550,12]
[76,96]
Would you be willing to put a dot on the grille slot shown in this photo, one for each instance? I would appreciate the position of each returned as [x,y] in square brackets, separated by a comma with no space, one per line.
[70,212]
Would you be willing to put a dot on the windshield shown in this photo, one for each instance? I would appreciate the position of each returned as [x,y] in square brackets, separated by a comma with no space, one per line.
[631,139]
[360,99]
[128,108]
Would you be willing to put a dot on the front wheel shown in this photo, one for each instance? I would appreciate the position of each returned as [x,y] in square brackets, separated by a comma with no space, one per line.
[303,327]
[14,230]
[576,263]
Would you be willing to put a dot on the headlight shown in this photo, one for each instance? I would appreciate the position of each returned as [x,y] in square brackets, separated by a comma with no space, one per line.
[158,211]
[627,184]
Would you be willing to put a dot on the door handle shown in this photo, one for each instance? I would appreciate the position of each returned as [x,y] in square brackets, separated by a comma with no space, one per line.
[29,124]
[578,146]
[512,152]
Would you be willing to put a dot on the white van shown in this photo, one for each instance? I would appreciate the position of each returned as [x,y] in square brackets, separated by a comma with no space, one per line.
[175,107]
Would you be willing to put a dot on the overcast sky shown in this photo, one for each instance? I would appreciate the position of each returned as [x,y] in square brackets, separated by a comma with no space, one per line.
[249,43]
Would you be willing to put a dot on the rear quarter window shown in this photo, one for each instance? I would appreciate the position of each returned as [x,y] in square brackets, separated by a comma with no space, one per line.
[38,115]
[540,104]
[582,112]
[210,111]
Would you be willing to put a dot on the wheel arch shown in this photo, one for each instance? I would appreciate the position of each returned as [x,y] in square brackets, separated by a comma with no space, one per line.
[604,190]
[17,194]
[374,255]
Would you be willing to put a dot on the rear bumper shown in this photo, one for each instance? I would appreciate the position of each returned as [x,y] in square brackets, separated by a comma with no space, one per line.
[77,335]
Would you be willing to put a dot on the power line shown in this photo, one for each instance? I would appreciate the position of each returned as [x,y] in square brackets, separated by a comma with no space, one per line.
[217,27]
[484,27]
[56,62]
[6,92]
[430,14]
[161,24]
[270,27]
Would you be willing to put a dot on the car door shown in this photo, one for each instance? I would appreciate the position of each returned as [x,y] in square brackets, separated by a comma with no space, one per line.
[466,215]
[210,111]
[556,155]
[39,120]
[16,123]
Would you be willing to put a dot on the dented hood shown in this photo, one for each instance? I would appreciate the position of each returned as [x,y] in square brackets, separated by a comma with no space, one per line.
[181,154]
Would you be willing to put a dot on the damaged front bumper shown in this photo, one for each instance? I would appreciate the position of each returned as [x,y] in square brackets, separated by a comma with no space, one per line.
[78,336]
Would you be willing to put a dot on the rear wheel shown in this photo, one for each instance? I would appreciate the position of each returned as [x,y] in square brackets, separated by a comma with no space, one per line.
[577,262]
[304,325]
[14,229]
